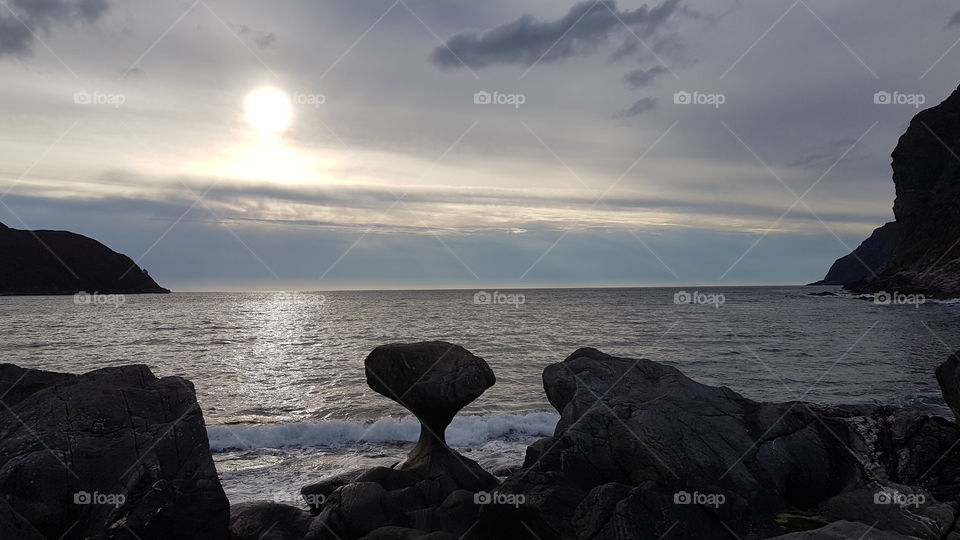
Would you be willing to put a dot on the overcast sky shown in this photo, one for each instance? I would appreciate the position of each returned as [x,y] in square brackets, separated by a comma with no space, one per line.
[129,122]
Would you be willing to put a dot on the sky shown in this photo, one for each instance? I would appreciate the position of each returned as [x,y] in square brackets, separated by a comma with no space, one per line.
[246,145]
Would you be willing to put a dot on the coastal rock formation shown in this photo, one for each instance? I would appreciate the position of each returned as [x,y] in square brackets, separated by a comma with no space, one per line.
[641,450]
[115,453]
[926,173]
[434,380]
[870,257]
[435,489]
[267,521]
[948,377]
[60,262]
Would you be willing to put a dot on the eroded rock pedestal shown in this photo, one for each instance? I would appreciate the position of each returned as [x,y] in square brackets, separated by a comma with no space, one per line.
[434,491]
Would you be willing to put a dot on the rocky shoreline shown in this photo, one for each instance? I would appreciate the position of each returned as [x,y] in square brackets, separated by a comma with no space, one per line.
[640,451]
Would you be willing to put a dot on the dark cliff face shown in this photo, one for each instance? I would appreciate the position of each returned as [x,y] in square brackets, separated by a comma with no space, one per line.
[60,262]
[926,172]
[870,257]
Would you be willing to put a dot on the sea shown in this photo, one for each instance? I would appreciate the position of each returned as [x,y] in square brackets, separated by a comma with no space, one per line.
[280,379]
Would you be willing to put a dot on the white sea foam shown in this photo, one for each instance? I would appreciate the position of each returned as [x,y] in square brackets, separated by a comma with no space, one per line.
[463,431]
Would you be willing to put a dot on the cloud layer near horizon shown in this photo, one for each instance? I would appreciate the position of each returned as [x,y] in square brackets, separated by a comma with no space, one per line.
[598,176]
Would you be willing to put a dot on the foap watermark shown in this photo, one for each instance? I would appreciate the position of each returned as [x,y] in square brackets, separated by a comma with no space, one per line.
[895,298]
[696,297]
[714,500]
[315,500]
[699,98]
[310,100]
[98,98]
[96,498]
[484,298]
[899,98]
[893,497]
[515,500]
[96,299]
[498,98]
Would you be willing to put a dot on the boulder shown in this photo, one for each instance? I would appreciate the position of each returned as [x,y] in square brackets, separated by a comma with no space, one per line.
[434,380]
[315,494]
[109,454]
[641,449]
[844,530]
[267,520]
[948,377]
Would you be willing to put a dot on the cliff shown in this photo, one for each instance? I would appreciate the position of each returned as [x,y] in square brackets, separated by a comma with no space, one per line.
[61,262]
[870,257]
[926,173]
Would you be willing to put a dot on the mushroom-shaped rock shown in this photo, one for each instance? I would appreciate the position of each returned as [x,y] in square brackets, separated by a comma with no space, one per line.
[434,380]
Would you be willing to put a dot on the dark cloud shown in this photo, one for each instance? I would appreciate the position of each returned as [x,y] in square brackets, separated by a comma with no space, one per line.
[639,77]
[954,19]
[641,106]
[30,17]
[824,156]
[528,40]
[263,40]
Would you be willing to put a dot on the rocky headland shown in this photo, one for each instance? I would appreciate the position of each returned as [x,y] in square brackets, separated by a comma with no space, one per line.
[640,451]
[920,252]
[61,262]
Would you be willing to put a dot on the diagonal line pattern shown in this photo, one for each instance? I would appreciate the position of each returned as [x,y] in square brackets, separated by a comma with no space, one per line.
[799,199]
[599,197]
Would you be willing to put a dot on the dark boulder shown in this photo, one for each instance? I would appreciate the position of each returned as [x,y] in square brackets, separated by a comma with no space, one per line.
[267,520]
[109,454]
[641,450]
[948,377]
[844,530]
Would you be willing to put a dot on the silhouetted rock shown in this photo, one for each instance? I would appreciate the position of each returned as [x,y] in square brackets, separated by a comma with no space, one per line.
[642,450]
[109,454]
[433,493]
[844,530]
[60,262]
[948,377]
[264,520]
[926,173]
[870,258]
[315,494]
[434,380]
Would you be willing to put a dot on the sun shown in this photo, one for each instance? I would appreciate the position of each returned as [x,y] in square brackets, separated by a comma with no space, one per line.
[268,109]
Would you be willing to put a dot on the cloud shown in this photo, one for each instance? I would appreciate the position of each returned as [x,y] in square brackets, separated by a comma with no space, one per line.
[263,40]
[528,40]
[823,156]
[641,106]
[639,77]
[18,29]
[954,19]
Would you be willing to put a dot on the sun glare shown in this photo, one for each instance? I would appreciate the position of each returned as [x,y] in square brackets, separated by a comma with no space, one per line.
[268,109]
